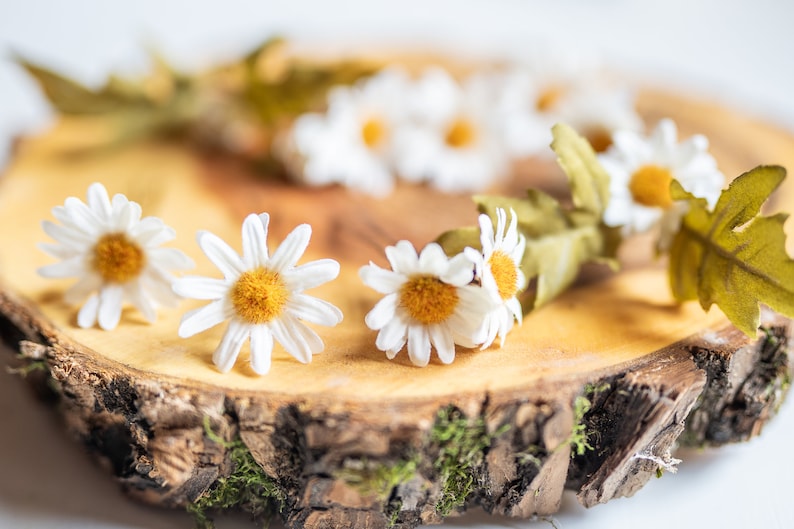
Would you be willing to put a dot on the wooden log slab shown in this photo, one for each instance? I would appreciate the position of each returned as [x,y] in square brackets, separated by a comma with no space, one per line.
[592,394]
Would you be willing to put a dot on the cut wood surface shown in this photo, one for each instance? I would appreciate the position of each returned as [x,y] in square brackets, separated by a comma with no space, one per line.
[148,401]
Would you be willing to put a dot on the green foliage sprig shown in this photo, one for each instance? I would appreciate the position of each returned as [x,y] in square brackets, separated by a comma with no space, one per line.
[731,257]
[251,96]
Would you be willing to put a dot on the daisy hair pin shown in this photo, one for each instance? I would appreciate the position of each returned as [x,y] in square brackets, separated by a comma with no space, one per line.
[474,284]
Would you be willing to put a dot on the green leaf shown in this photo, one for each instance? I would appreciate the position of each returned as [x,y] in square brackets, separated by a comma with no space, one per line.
[69,96]
[734,257]
[589,181]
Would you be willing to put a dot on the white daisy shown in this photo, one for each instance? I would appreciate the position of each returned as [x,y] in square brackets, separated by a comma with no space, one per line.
[640,171]
[499,270]
[261,295]
[350,144]
[116,256]
[535,96]
[429,301]
[451,142]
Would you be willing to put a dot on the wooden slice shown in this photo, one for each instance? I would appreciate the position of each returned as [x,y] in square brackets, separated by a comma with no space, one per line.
[591,394]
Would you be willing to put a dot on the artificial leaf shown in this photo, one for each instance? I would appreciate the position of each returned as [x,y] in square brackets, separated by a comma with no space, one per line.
[70,97]
[734,257]
[589,181]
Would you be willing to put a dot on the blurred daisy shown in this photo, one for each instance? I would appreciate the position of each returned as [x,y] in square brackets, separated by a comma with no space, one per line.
[261,295]
[115,255]
[451,142]
[350,144]
[640,171]
[499,270]
[574,90]
[429,302]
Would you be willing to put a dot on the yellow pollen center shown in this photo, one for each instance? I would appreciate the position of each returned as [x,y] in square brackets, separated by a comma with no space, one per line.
[118,259]
[259,296]
[373,132]
[504,273]
[549,98]
[650,186]
[427,299]
[461,133]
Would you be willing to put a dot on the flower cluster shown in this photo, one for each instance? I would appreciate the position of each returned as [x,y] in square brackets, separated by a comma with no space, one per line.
[456,136]
[435,301]
[430,300]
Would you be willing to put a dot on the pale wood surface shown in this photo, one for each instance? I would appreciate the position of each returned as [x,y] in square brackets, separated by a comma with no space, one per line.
[608,322]
[139,396]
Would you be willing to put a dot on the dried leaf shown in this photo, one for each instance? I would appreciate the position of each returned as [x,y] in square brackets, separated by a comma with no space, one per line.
[589,181]
[734,257]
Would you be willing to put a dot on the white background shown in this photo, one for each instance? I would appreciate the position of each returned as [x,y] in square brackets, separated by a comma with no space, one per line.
[739,52]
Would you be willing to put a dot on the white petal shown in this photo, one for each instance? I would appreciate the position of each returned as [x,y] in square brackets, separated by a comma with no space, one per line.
[460,271]
[382,313]
[58,251]
[68,235]
[433,260]
[486,234]
[98,200]
[403,258]
[72,267]
[85,285]
[152,231]
[141,301]
[79,215]
[418,345]
[292,335]
[310,275]
[441,338]
[159,289]
[221,255]
[110,298]
[197,287]
[392,337]
[289,251]
[314,310]
[380,279]
[226,353]
[261,349]
[205,317]
[86,318]
[170,258]
[255,252]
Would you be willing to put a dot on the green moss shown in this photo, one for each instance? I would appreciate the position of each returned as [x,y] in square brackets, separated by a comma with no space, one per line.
[247,487]
[579,439]
[462,444]
[30,365]
[380,479]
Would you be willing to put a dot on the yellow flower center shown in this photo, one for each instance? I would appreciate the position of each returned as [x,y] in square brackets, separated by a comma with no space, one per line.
[373,132]
[549,98]
[504,273]
[650,186]
[427,299]
[118,259]
[259,296]
[461,133]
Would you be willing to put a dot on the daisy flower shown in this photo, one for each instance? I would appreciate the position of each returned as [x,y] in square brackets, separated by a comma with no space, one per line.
[451,142]
[115,255]
[350,144]
[498,267]
[429,302]
[535,96]
[640,171]
[261,295]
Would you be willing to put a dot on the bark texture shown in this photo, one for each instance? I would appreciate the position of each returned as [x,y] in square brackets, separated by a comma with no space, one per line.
[400,464]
